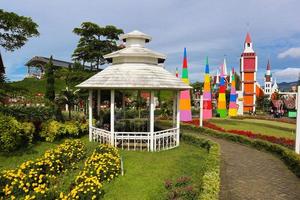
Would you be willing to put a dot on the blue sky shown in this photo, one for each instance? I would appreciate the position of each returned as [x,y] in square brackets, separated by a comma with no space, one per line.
[212,28]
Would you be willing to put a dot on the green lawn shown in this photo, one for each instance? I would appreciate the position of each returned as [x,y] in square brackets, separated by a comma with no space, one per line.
[145,172]
[273,128]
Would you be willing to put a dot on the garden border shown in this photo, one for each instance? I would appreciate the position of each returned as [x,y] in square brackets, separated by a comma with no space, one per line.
[289,157]
[210,187]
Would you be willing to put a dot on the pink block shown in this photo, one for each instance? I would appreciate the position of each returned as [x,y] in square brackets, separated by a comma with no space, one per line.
[185,94]
[206,96]
[233,105]
[207,114]
[185,115]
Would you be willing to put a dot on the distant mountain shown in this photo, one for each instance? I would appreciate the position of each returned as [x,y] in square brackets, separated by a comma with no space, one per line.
[284,86]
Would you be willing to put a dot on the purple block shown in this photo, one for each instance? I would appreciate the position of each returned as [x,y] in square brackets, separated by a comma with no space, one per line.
[185,115]
[206,95]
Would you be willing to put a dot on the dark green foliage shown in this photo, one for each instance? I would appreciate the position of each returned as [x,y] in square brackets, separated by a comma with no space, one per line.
[68,97]
[15,30]
[28,114]
[13,134]
[95,41]
[50,90]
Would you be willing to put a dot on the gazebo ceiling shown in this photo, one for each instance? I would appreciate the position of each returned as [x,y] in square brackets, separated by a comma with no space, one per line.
[135,67]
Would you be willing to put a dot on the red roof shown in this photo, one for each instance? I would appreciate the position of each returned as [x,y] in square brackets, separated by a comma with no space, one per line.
[248,38]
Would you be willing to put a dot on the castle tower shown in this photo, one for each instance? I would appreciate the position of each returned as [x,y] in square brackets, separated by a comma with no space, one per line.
[268,80]
[248,68]
[232,112]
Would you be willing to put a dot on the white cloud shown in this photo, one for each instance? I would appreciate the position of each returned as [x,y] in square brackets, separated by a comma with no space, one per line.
[288,74]
[292,52]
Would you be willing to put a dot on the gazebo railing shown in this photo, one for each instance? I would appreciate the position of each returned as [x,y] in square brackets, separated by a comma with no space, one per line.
[165,139]
[133,140]
[162,140]
[101,135]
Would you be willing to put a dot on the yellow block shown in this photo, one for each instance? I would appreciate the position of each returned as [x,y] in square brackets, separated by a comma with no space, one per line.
[206,78]
[232,112]
[185,104]
[222,97]
[186,81]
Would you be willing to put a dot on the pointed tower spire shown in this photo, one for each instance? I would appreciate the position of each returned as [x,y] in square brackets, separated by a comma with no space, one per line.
[207,106]
[268,65]
[218,77]
[185,97]
[248,38]
[224,67]
[177,72]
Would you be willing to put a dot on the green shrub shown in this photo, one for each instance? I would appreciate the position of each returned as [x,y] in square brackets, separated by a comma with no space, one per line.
[52,130]
[72,129]
[14,134]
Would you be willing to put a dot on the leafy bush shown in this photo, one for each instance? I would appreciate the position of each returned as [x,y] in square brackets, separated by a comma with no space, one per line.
[33,178]
[53,130]
[14,134]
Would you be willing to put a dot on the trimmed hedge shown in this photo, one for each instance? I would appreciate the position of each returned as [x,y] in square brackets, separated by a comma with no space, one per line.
[210,187]
[289,157]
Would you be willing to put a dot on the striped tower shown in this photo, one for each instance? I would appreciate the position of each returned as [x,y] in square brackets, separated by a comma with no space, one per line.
[222,110]
[207,107]
[232,103]
[185,97]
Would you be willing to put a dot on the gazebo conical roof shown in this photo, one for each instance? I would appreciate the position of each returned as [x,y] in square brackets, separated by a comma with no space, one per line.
[135,67]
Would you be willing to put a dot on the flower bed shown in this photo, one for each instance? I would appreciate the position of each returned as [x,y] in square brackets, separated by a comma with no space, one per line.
[277,140]
[33,178]
[103,165]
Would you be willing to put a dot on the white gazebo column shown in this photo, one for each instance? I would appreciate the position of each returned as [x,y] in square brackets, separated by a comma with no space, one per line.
[112,116]
[297,145]
[178,116]
[152,120]
[90,114]
[201,111]
[98,102]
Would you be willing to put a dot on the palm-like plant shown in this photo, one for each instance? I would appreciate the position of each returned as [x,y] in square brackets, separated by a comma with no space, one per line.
[68,97]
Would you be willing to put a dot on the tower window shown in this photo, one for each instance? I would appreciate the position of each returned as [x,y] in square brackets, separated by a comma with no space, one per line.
[248,44]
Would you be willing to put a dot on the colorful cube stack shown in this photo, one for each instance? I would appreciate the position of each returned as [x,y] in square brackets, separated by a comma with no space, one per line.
[185,98]
[222,110]
[207,106]
[232,104]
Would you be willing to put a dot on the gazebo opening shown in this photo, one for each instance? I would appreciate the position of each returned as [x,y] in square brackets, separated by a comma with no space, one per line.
[126,95]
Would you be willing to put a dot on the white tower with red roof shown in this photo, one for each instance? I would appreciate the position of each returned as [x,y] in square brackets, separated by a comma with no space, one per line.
[268,80]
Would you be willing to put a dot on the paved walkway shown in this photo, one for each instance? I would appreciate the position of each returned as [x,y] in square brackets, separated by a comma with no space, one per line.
[247,173]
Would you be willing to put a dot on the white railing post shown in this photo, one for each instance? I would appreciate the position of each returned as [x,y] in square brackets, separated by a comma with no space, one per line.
[201,111]
[178,117]
[297,145]
[152,120]
[174,108]
[90,114]
[112,116]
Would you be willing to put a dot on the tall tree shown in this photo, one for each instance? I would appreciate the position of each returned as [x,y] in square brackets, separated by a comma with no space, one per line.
[95,41]
[50,90]
[15,30]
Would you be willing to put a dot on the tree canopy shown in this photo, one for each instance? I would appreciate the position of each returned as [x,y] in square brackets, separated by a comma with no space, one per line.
[15,30]
[95,41]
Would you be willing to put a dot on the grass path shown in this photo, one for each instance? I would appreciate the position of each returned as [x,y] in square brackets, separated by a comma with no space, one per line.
[145,172]
[264,127]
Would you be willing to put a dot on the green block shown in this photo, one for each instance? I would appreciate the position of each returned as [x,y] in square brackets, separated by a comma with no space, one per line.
[292,114]
[222,113]
[185,73]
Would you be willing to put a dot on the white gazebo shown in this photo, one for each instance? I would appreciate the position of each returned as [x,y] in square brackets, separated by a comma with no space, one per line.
[135,68]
